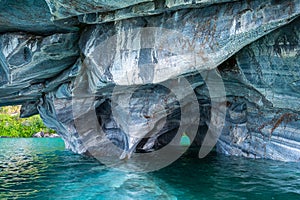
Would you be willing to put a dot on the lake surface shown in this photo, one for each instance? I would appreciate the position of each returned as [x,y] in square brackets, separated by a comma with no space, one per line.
[40,168]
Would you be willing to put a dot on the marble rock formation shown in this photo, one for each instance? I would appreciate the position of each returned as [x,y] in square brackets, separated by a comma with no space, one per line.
[114,67]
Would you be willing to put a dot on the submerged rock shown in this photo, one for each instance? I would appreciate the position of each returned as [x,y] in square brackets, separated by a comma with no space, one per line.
[130,78]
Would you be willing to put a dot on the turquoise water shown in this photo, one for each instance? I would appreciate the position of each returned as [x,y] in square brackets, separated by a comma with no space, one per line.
[40,168]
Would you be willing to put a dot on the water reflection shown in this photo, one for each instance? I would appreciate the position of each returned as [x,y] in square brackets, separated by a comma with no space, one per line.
[42,169]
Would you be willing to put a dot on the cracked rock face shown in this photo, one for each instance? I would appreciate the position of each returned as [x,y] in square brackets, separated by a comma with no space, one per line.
[28,61]
[31,16]
[271,130]
[120,68]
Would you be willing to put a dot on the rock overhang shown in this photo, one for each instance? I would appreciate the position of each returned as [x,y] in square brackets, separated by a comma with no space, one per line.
[43,55]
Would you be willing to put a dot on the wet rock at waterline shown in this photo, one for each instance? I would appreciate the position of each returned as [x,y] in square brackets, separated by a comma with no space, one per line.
[125,76]
[45,135]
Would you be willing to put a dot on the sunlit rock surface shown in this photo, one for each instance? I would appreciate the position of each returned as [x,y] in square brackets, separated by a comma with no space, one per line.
[182,42]
[70,60]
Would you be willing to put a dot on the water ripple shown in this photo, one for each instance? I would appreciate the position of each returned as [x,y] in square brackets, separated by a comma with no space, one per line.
[42,169]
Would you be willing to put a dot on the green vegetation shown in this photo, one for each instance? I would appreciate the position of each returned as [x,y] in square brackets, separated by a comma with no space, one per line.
[11,125]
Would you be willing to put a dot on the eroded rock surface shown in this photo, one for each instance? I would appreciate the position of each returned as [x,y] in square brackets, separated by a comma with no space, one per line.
[54,62]
[271,126]
[28,61]
[31,16]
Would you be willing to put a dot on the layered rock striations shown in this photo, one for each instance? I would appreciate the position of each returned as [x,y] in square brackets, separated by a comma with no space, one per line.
[270,67]
[134,69]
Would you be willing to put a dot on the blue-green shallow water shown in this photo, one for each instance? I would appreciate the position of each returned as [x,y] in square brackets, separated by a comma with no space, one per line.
[42,169]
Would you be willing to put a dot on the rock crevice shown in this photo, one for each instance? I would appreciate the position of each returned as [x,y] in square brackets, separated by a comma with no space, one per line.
[122,66]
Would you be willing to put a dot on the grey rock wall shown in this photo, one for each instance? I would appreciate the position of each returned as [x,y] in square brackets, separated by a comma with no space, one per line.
[28,61]
[56,56]
[31,16]
[270,67]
